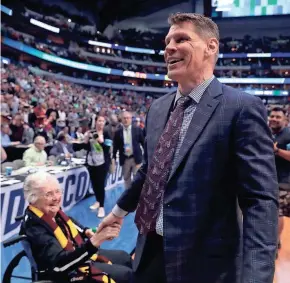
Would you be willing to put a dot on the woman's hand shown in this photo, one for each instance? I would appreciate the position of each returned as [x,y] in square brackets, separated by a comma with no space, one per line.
[106,234]
[100,139]
[89,233]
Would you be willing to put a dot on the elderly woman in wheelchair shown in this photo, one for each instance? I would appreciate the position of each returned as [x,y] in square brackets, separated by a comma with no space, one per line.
[63,249]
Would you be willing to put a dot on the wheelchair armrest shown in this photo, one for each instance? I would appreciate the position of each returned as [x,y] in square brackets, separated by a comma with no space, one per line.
[14,240]
[19,217]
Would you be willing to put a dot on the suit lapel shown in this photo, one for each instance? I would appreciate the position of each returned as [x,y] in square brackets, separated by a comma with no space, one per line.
[132,133]
[160,116]
[122,135]
[201,117]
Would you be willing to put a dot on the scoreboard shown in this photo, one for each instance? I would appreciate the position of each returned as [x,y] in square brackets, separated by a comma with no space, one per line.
[246,8]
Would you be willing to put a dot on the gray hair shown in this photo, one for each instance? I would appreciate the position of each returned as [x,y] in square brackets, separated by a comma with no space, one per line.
[125,112]
[205,27]
[4,125]
[39,138]
[34,182]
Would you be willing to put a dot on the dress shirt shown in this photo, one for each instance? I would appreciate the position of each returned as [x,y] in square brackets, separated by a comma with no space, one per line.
[127,133]
[32,156]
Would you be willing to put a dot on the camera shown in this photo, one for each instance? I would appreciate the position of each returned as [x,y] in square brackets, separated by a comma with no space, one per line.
[94,135]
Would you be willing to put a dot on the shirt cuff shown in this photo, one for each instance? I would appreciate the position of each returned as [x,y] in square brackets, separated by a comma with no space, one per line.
[119,212]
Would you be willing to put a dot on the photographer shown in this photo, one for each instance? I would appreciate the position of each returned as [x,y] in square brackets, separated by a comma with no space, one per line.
[98,161]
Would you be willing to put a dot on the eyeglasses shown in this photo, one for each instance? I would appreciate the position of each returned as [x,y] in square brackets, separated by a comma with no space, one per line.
[49,195]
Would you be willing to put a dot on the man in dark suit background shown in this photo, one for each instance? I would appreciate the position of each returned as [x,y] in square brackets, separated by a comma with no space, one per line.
[62,147]
[129,142]
[208,153]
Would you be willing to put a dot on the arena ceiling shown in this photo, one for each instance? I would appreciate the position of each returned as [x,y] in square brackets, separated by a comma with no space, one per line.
[108,11]
[102,12]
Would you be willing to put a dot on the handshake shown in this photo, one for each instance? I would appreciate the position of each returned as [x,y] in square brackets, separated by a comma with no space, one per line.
[108,230]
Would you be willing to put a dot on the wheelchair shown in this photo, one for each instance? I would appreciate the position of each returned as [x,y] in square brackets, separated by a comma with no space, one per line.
[36,274]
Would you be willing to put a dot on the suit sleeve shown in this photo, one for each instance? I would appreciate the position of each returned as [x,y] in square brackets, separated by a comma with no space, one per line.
[257,192]
[70,149]
[141,137]
[54,151]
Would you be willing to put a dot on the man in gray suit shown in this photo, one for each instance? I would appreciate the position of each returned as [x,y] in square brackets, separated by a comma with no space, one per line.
[208,153]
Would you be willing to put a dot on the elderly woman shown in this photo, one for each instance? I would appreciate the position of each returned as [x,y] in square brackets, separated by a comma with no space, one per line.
[60,246]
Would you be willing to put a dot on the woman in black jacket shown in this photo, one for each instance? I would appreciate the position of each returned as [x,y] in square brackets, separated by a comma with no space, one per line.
[98,161]
[60,245]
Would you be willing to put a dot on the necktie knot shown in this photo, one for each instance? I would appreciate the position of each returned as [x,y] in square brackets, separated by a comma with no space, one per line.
[183,101]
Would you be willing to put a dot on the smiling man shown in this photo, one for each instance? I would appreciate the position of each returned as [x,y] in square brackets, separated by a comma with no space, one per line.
[281,139]
[208,152]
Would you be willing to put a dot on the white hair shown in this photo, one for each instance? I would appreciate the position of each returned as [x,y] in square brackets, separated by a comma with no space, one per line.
[39,138]
[34,182]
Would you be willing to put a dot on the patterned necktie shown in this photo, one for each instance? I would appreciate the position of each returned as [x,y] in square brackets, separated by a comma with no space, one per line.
[158,172]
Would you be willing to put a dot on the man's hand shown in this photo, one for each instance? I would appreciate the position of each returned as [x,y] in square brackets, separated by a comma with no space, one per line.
[276,149]
[49,163]
[138,166]
[68,155]
[108,233]
[109,220]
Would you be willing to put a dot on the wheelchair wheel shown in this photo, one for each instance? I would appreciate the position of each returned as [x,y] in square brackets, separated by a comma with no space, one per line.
[8,274]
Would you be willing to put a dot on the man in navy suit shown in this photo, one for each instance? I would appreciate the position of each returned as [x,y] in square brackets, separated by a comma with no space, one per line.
[129,142]
[62,147]
[220,164]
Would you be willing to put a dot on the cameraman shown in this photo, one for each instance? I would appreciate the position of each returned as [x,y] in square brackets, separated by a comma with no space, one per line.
[98,161]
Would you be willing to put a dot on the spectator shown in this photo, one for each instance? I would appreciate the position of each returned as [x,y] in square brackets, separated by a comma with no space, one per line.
[3,155]
[72,133]
[128,141]
[61,121]
[79,134]
[62,147]
[39,131]
[111,128]
[98,161]
[5,110]
[5,138]
[36,155]
[28,135]
[281,139]
[39,112]
[17,128]
[66,133]
[25,113]
[73,118]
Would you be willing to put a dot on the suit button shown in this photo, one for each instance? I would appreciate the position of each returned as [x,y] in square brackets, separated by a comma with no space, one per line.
[168,205]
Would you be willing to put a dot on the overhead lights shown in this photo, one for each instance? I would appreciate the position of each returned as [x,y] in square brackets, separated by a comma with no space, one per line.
[44,25]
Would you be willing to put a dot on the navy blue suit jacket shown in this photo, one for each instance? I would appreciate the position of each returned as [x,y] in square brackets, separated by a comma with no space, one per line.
[58,150]
[137,143]
[225,162]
